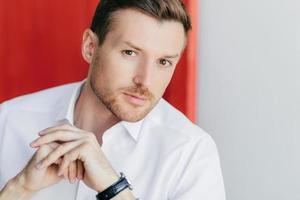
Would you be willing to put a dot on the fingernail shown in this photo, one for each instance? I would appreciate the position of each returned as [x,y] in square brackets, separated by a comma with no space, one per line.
[33,144]
[41,133]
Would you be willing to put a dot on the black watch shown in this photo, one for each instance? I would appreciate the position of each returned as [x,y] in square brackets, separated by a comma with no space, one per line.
[114,189]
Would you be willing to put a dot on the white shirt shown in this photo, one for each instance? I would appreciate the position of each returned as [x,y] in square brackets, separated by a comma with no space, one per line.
[164,156]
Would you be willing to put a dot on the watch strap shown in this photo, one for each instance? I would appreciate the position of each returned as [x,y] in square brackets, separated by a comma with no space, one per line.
[114,189]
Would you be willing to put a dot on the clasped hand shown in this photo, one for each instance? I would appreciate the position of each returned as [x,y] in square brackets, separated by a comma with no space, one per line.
[66,151]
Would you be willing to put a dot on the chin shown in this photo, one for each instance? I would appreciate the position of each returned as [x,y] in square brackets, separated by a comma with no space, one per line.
[132,120]
[129,113]
[131,116]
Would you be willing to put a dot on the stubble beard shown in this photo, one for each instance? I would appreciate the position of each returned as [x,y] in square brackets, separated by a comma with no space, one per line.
[114,102]
[124,111]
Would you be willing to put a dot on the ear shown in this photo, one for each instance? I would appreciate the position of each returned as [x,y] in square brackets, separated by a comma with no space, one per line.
[89,44]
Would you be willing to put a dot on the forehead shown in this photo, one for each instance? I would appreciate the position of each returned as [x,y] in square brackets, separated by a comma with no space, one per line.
[146,32]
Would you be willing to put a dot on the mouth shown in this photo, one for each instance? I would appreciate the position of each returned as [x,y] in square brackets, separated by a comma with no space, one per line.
[135,99]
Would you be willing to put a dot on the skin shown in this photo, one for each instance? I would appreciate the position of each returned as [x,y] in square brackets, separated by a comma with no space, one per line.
[128,75]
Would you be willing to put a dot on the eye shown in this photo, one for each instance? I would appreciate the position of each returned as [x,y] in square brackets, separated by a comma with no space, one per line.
[129,52]
[165,62]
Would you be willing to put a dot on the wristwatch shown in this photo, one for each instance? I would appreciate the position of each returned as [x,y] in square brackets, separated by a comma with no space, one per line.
[114,189]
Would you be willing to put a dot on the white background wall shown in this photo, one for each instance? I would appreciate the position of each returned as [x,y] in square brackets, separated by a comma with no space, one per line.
[249,94]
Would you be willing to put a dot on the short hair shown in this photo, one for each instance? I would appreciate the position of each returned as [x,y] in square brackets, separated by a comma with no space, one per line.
[170,10]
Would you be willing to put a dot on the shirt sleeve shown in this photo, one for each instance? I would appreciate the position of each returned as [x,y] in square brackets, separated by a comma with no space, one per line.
[202,177]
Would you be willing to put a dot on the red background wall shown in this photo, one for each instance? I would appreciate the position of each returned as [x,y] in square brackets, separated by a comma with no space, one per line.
[40,47]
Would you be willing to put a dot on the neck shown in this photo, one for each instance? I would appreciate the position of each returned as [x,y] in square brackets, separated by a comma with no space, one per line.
[91,114]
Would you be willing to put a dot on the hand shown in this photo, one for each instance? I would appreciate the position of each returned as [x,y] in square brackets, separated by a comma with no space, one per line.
[77,145]
[32,179]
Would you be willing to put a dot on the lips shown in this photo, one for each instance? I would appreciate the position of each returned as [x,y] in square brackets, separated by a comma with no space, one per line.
[135,99]
[136,96]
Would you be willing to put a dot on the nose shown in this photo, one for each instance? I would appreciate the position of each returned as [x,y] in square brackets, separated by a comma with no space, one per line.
[144,74]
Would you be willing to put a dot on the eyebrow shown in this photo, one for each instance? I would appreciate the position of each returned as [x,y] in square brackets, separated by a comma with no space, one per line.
[139,49]
[172,56]
[132,45]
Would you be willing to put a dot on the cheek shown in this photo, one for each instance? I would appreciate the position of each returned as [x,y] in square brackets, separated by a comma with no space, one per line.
[161,83]
[115,74]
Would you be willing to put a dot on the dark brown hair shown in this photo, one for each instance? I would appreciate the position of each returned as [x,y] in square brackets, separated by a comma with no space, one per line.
[173,10]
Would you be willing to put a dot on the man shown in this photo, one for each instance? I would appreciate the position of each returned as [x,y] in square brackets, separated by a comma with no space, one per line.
[83,134]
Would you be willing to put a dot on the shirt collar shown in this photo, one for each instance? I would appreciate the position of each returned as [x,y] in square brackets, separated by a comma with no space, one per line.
[66,114]
[133,128]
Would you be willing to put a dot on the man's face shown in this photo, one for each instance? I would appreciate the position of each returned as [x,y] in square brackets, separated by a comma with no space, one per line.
[132,68]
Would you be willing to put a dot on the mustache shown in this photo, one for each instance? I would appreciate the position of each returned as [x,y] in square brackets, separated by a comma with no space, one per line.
[139,90]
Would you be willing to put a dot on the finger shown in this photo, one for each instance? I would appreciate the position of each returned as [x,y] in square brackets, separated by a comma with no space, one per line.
[53,145]
[72,171]
[57,136]
[63,169]
[57,153]
[66,174]
[67,159]
[80,170]
[40,154]
[63,172]
[64,126]
[58,161]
